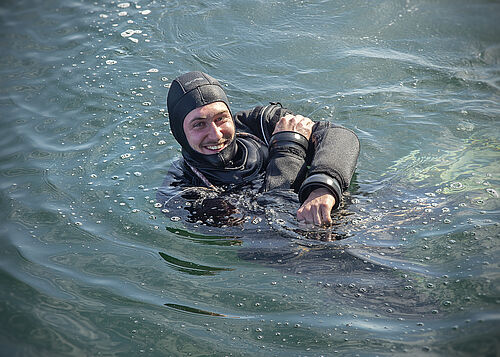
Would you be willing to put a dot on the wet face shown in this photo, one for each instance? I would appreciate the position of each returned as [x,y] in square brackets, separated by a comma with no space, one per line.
[209,129]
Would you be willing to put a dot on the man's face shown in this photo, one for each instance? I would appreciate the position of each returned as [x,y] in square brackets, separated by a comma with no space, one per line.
[209,129]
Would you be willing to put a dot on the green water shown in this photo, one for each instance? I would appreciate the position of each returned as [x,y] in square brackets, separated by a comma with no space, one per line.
[90,266]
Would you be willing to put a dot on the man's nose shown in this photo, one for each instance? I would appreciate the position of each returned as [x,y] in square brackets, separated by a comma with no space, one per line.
[215,132]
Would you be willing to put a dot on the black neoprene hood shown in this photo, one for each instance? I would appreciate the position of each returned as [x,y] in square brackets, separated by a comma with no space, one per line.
[187,92]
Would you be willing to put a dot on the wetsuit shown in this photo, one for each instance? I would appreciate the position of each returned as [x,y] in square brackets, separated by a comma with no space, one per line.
[286,160]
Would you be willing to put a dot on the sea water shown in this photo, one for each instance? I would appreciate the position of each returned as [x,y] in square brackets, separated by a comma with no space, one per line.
[90,265]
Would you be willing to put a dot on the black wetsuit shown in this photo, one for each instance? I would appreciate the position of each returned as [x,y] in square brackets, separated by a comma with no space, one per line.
[287,160]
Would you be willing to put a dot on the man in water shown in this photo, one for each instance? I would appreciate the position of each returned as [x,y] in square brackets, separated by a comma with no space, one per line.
[219,149]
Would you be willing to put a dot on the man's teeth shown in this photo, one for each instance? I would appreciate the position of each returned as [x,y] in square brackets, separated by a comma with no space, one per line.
[215,147]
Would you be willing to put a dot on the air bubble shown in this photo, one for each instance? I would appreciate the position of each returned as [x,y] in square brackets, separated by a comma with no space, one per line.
[256,220]
[492,192]
[127,33]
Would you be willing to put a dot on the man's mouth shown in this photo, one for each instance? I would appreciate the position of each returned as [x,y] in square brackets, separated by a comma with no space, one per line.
[216,147]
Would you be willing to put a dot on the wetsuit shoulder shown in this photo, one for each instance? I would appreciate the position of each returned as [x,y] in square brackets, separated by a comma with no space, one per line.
[261,120]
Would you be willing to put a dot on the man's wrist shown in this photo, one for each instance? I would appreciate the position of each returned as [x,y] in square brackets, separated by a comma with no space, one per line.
[289,142]
[324,181]
[287,138]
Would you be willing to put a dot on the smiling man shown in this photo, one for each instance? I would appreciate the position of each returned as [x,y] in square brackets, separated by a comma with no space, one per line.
[219,149]
[209,129]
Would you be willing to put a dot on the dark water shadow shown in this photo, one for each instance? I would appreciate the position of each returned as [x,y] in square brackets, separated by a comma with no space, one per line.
[190,267]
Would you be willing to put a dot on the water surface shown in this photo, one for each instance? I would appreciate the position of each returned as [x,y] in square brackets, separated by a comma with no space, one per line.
[91,266]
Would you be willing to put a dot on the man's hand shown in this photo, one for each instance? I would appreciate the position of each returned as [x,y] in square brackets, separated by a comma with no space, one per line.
[296,123]
[317,207]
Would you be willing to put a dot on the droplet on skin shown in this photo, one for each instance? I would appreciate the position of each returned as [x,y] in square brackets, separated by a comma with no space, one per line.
[123,5]
[146,12]
[111,62]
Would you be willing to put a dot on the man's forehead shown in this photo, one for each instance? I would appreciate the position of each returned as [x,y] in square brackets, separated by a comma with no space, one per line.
[207,111]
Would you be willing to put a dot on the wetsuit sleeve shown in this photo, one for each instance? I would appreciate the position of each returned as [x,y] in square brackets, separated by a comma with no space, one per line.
[328,160]
[333,155]
[286,167]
